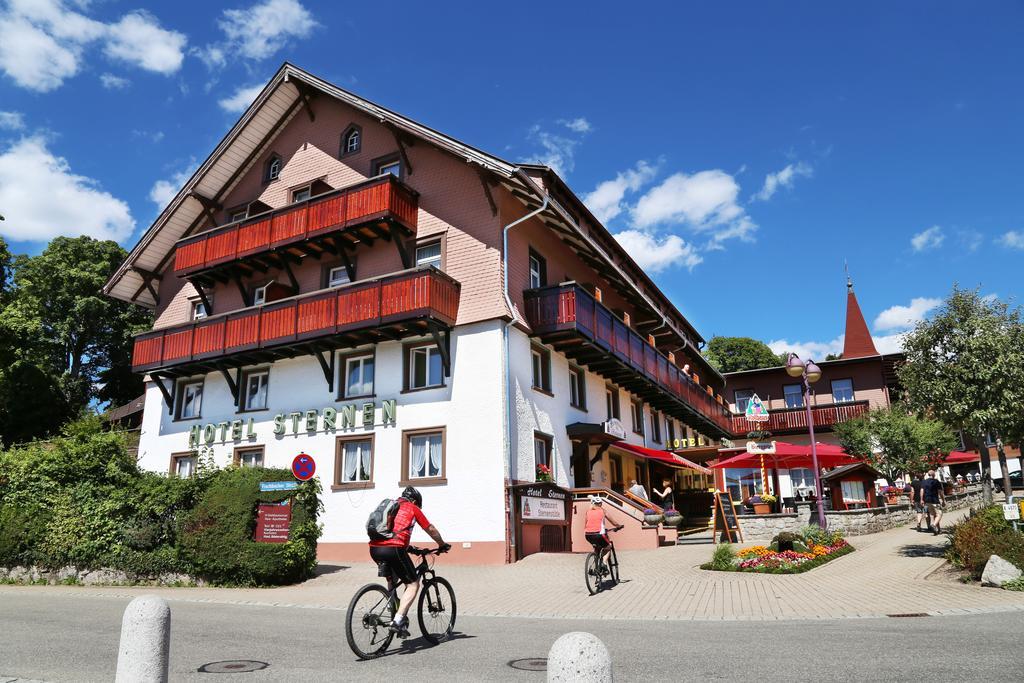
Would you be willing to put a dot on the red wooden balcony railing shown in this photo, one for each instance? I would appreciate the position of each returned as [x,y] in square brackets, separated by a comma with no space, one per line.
[795,419]
[353,209]
[561,314]
[390,303]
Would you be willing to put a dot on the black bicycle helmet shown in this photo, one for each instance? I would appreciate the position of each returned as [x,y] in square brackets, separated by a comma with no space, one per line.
[412,494]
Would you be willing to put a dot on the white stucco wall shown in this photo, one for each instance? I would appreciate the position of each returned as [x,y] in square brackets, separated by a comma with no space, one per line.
[470,507]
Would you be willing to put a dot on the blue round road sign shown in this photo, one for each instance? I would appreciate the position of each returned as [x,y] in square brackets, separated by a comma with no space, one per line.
[303,467]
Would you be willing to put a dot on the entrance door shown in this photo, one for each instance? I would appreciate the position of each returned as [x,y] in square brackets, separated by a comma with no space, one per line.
[580,465]
[615,462]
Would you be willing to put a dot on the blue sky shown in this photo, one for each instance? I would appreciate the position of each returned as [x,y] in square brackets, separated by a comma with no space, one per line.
[741,151]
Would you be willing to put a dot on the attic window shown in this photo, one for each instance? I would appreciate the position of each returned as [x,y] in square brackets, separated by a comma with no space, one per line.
[273,169]
[351,140]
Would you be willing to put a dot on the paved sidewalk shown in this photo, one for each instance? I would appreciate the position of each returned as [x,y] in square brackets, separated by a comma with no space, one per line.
[885,576]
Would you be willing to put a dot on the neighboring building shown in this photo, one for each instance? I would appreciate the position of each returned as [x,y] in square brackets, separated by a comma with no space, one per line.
[330,281]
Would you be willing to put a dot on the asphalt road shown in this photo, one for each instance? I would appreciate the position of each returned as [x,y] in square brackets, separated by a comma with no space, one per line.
[74,638]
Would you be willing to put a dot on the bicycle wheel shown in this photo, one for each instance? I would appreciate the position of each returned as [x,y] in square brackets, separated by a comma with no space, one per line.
[592,573]
[368,621]
[613,565]
[437,610]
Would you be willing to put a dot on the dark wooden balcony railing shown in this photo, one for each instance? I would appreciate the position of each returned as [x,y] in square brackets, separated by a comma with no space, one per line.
[389,307]
[573,322]
[795,419]
[362,212]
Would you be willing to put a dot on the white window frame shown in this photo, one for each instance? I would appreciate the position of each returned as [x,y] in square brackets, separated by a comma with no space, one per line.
[250,457]
[274,168]
[359,361]
[308,189]
[536,279]
[239,215]
[853,394]
[262,377]
[352,141]
[543,445]
[577,388]
[799,394]
[357,452]
[434,261]
[199,310]
[183,392]
[611,401]
[384,168]
[259,295]
[636,413]
[427,352]
[336,281]
[178,460]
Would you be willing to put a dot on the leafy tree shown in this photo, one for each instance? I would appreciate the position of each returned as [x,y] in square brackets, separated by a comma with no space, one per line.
[965,366]
[31,403]
[5,268]
[732,354]
[896,441]
[58,319]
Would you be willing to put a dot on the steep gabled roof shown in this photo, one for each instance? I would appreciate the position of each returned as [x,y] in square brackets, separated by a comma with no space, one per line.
[858,342]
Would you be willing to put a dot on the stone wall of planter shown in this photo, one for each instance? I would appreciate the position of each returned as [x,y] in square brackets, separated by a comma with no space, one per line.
[92,577]
[851,522]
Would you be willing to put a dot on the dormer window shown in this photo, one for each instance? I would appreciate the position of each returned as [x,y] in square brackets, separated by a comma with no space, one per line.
[273,169]
[351,140]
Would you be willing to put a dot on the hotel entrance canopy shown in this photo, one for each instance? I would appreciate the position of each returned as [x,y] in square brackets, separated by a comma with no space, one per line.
[661,457]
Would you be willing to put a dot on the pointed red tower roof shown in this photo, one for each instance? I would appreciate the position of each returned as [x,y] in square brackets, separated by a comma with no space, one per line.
[858,342]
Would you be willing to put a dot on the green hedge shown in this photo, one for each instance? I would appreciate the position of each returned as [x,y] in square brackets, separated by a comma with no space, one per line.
[81,500]
[983,534]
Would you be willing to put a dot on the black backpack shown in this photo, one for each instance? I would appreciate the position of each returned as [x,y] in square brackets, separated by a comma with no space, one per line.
[381,524]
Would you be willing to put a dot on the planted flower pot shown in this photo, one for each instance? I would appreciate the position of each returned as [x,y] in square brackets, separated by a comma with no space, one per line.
[673,520]
[654,520]
[762,509]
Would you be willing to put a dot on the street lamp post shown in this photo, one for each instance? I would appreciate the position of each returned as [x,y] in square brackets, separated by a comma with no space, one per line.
[809,373]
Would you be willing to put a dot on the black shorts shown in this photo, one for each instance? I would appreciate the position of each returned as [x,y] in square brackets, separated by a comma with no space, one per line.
[597,540]
[394,562]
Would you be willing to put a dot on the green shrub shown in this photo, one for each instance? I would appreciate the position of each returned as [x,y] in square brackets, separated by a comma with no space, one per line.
[216,536]
[982,534]
[724,558]
[815,535]
[1015,585]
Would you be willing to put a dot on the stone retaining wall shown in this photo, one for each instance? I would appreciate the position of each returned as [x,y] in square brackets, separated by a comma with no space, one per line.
[850,522]
[92,577]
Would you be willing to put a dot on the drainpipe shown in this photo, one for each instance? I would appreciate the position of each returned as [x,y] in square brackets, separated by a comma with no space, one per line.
[510,454]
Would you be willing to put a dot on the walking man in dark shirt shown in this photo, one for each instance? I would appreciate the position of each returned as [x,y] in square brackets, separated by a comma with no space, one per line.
[916,502]
[934,498]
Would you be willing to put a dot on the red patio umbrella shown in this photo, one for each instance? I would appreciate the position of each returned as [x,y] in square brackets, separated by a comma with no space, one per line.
[960,458]
[791,456]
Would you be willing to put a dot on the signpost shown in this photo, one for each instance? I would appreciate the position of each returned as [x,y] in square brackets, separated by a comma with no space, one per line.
[725,518]
[266,486]
[303,467]
[273,521]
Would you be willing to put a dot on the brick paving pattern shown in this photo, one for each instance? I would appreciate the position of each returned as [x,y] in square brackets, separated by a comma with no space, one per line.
[886,575]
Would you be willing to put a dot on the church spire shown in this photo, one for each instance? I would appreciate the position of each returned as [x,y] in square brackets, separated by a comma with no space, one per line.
[858,342]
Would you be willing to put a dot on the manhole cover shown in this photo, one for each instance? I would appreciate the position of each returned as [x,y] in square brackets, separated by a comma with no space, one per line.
[530,664]
[909,614]
[233,666]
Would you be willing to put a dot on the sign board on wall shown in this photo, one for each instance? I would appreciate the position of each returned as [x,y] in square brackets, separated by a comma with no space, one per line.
[756,412]
[273,521]
[613,427]
[535,508]
[761,447]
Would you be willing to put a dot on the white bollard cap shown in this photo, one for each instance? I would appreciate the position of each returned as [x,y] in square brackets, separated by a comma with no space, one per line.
[579,656]
[145,641]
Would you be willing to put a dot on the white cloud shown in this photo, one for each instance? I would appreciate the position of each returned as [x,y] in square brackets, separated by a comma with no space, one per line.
[577,125]
[1013,239]
[654,254]
[164,190]
[931,238]
[559,151]
[784,178]
[971,240]
[705,202]
[890,343]
[242,98]
[138,39]
[905,317]
[606,200]
[259,31]
[809,349]
[11,120]
[43,42]
[112,82]
[42,198]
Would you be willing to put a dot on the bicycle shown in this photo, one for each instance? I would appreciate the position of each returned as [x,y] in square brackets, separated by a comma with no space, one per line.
[596,569]
[373,608]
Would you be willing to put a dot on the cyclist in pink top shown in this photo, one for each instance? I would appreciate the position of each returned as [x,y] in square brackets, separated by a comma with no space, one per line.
[595,529]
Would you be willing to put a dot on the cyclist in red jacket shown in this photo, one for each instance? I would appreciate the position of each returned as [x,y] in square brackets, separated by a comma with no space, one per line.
[392,554]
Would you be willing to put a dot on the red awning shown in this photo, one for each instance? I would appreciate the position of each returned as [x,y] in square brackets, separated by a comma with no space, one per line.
[960,458]
[663,457]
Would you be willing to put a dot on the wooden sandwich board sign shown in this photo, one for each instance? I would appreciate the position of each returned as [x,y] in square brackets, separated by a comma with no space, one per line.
[725,518]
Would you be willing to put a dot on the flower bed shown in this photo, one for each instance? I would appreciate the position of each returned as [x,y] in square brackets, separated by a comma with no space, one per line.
[817,548]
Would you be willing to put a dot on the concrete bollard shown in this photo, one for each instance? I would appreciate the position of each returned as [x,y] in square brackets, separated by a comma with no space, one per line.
[145,641]
[579,656]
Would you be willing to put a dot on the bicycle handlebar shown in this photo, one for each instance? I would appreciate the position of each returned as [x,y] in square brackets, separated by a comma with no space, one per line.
[423,552]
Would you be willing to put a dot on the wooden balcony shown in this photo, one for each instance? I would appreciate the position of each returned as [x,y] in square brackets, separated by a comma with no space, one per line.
[379,208]
[568,318]
[413,302]
[794,420]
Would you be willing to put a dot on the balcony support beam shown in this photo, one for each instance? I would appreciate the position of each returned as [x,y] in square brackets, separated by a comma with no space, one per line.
[350,267]
[207,306]
[404,252]
[210,207]
[168,396]
[233,382]
[485,180]
[291,275]
[402,141]
[442,338]
[246,295]
[328,366]
[306,94]
[597,456]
